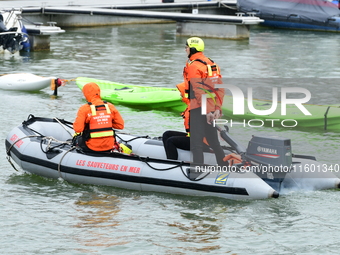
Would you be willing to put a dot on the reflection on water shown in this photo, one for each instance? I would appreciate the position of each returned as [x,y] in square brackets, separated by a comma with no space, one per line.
[102,209]
[197,229]
[98,211]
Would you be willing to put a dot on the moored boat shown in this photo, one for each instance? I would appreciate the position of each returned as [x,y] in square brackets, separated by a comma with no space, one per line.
[43,146]
[13,36]
[317,15]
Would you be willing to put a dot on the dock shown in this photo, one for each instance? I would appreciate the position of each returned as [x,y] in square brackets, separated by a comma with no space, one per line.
[215,19]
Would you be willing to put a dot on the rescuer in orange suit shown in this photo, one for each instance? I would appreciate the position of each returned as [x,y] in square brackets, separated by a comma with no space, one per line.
[200,76]
[96,120]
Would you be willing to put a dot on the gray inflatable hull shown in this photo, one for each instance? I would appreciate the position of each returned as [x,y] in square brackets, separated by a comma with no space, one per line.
[30,143]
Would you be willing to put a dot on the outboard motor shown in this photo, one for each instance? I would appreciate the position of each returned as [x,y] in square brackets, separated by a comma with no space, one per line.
[10,39]
[273,156]
[269,157]
[275,151]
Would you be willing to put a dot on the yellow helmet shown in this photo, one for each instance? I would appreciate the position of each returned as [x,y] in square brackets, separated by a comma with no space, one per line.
[196,42]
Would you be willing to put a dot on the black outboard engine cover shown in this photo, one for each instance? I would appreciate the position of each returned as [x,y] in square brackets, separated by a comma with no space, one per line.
[273,155]
[12,42]
[274,151]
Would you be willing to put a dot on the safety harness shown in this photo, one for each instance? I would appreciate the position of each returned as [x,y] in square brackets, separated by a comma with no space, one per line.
[209,82]
[101,121]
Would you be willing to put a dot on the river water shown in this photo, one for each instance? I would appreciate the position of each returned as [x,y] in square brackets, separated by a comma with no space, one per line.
[42,216]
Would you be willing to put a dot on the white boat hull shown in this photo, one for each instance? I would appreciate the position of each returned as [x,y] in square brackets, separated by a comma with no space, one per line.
[24,82]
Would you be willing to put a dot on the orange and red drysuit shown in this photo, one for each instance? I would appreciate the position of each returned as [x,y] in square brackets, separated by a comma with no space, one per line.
[98,118]
[200,76]
[185,114]
[200,73]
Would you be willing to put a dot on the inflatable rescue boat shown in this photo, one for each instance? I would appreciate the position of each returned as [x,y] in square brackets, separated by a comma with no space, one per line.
[44,146]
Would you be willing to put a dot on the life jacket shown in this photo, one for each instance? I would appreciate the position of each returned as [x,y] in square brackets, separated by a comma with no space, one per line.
[207,84]
[186,113]
[100,124]
[186,118]
[183,92]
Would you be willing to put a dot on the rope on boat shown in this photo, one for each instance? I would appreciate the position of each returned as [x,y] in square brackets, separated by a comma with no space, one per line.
[126,141]
[194,179]
[180,164]
[49,140]
[159,169]
[69,80]
[59,165]
[9,149]
[63,126]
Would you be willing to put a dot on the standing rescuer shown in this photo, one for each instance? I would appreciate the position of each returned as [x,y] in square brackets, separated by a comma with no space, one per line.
[201,75]
[96,120]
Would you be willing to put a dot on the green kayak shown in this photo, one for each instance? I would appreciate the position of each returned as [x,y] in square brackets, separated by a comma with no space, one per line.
[324,117]
[144,97]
